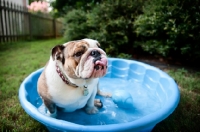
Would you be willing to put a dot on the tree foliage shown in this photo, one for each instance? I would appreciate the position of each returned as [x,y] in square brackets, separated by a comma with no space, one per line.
[110,22]
[165,27]
[61,7]
[170,27]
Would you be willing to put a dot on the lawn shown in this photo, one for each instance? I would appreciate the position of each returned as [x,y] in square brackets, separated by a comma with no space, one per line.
[19,59]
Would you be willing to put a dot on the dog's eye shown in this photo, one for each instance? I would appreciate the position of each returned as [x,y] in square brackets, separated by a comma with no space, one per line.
[78,54]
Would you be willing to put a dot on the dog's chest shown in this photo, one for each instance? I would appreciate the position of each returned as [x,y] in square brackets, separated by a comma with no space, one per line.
[72,98]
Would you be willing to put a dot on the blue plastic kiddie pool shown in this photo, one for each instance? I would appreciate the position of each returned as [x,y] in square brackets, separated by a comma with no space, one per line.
[142,97]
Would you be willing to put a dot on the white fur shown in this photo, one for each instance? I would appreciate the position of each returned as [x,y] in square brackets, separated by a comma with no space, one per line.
[93,43]
[68,97]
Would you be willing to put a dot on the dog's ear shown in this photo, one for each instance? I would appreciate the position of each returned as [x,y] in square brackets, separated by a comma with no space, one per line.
[98,44]
[57,53]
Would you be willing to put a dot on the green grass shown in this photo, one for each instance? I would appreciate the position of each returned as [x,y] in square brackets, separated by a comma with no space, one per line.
[19,59]
[186,117]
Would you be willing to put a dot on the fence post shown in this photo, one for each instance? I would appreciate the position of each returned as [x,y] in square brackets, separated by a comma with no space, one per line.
[16,22]
[2,22]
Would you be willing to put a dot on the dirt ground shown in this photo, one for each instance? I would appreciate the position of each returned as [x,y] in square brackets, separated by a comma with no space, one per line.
[166,63]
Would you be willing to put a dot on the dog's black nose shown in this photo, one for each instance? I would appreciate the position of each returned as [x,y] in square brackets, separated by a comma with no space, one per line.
[95,54]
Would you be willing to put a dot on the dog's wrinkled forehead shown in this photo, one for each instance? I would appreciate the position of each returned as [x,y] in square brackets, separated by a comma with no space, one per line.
[92,43]
[74,47]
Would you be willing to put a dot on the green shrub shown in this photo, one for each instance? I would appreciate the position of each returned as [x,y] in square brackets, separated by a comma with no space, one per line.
[124,56]
[60,7]
[170,27]
[76,26]
[111,23]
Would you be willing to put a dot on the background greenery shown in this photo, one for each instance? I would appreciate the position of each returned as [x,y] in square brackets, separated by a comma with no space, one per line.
[110,22]
[60,7]
[169,28]
[18,60]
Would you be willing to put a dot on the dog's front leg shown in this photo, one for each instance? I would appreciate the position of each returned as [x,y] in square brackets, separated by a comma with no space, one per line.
[90,108]
[51,108]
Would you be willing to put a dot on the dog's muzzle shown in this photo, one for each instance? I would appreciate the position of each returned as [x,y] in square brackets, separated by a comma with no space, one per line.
[97,56]
[95,53]
[93,64]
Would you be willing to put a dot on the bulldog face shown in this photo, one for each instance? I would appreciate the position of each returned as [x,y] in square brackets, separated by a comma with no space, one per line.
[81,59]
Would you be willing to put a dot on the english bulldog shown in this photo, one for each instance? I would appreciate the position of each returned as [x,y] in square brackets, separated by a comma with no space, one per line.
[70,78]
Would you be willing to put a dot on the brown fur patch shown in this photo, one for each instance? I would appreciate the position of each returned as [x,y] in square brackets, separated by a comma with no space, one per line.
[70,67]
[98,103]
[98,44]
[72,47]
[42,86]
[43,92]
[71,61]
[57,52]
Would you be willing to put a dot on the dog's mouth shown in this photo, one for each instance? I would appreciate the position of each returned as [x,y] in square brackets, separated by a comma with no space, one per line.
[100,64]
[100,68]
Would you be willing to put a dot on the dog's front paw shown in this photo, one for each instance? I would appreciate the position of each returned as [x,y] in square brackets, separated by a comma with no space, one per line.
[42,109]
[98,103]
[91,110]
[53,115]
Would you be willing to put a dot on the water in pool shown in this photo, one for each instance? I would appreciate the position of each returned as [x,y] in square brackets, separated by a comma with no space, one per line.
[145,101]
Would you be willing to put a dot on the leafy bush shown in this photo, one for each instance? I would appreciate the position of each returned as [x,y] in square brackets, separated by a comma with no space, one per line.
[170,27]
[110,22]
[124,56]
[60,7]
[76,26]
